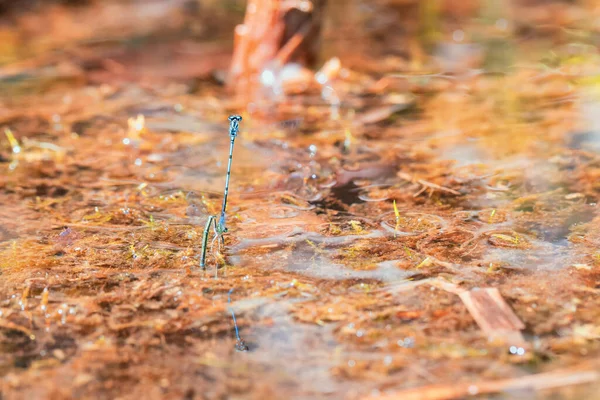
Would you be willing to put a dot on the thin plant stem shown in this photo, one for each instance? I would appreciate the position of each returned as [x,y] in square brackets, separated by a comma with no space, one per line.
[211,219]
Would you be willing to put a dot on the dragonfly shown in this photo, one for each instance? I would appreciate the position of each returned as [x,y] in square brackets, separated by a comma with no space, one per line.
[219,226]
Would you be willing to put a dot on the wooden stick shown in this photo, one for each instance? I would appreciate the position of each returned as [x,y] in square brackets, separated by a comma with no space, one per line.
[490,311]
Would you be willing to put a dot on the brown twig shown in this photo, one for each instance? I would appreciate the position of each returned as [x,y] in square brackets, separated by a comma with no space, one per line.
[426,185]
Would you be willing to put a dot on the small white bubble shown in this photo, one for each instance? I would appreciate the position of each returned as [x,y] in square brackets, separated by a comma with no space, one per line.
[138,162]
[473,390]
[502,24]
[351,363]
[321,78]
[360,333]
[138,123]
[328,94]
[178,107]
[305,6]
[126,141]
[60,311]
[43,353]
[520,351]
[387,360]
[513,349]
[458,35]
[267,78]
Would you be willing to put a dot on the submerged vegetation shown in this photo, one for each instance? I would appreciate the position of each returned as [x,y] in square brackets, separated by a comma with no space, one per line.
[414,218]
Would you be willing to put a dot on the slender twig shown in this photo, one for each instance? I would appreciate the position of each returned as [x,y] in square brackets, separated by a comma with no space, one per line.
[210,220]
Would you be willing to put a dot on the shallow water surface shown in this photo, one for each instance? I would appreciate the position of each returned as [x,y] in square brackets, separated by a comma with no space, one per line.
[355,226]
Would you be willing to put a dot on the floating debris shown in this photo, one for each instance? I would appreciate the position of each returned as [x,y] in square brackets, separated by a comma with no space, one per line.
[492,313]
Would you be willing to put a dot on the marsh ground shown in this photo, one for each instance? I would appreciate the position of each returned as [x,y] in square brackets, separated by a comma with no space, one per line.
[479,124]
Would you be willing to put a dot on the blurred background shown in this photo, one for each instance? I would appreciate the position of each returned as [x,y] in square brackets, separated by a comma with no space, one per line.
[135,40]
